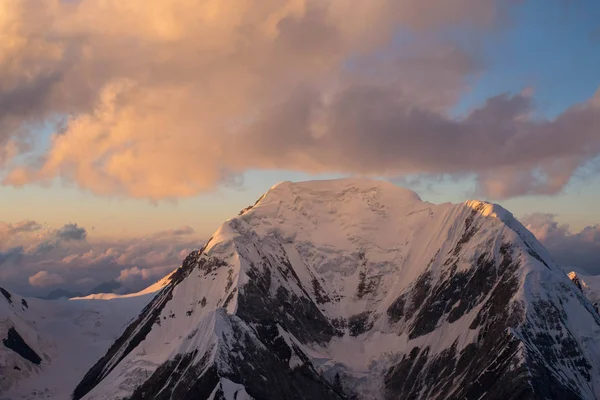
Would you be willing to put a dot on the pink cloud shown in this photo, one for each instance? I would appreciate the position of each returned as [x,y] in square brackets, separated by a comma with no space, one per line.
[154,112]
[572,250]
[45,279]
[32,260]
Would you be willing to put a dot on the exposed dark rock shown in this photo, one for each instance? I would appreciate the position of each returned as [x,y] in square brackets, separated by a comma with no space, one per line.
[400,379]
[395,311]
[359,323]
[469,232]
[184,378]
[229,279]
[419,293]
[362,284]
[269,376]
[337,384]
[491,367]
[366,285]
[24,303]
[298,315]
[180,378]
[229,297]
[459,292]
[6,294]
[559,349]
[219,394]
[211,264]
[320,294]
[16,343]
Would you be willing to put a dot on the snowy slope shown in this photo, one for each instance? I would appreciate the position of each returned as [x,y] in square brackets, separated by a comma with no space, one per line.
[358,289]
[155,287]
[55,342]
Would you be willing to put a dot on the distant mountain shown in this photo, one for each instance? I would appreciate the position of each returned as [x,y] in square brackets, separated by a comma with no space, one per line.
[57,294]
[106,287]
[357,289]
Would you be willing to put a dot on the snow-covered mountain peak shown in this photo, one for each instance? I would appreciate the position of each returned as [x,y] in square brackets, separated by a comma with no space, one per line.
[356,288]
[491,210]
[351,215]
[335,187]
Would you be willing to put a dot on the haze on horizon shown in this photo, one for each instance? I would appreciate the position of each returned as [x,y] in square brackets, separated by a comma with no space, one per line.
[129,131]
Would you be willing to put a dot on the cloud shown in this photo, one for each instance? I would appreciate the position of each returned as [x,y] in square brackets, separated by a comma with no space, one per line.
[184,230]
[572,250]
[134,274]
[157,99]
[71,232]
[31,260]
[45,279]
[24,226]
[12,255]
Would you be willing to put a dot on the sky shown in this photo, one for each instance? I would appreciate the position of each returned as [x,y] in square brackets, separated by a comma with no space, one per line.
[144,125]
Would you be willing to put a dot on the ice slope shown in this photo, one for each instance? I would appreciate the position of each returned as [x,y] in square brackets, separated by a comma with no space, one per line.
[155,287]
[334,289]
[65,336]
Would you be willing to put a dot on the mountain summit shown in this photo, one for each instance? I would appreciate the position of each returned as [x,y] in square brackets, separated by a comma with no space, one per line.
[358,289]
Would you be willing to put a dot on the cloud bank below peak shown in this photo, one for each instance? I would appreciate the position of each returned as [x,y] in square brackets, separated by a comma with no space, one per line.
[35,261]
[578,251]
[159,99]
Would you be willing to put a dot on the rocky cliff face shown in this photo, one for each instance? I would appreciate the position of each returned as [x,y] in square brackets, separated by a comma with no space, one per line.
[358,289]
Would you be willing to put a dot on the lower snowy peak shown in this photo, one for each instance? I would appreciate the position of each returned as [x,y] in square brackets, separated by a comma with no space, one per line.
[21,353]
[358,289]
[48,345]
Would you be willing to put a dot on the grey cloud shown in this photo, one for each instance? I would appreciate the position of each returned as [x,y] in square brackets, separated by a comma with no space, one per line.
[579,250]
[377,130]
[24,226]
[12,255]
[71,232]
[184,230]
[28,98]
